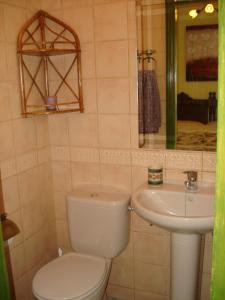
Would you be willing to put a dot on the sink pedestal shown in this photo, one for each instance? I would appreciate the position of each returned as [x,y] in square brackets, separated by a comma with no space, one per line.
[185,257]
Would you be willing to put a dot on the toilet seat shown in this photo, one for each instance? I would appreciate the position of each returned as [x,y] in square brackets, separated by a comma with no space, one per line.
[69,277]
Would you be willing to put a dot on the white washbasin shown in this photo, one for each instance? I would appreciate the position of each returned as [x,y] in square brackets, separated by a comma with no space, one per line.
[170,207]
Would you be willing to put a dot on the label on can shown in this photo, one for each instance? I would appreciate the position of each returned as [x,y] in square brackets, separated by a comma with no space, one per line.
[155,176]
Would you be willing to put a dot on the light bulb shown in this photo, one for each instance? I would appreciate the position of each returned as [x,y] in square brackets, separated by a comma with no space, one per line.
[193,13]
[209,8]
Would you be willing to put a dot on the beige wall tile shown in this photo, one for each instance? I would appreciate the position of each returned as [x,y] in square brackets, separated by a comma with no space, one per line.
[120,292]
[84,154]
[42,131]
[29,187]
[7,149]
[58,129]
[112,59]
[8,168]
[24,135]
[51,241]
[114,131]
[111,21]
[140,225]
[22,288]
[60,206]
[207,266]
[32,218]
[18,261]
[89,94]
[51,5]
[119,157]
[146,248]
[61,176]
[122,273]
[2,30]
[12,62]
[131,11]
[15,100]
[75,18]
[113,95]
[33,6]
[75,4]
[11,195]
[132,58]
[26,161]
[205,292]
[3,64]
[84,172]
[209,161]
[134,131]
[183,160]
[20,3]
[83,130]
[14,19]
[147,158]
[139,176]
[140,295]
[116,175]
[151,278]
[34,250]
[63,239]
[88,60]
[175,175]
[5,109]
[209,177]
[44,155]
[60,153]
[133,96]
[17,218]
[105,1]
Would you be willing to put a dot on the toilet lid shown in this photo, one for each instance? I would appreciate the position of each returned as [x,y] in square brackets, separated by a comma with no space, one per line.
[69,276]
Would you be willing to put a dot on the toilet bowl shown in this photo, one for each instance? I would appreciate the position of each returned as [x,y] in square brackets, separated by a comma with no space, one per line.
[72,276]
[99,222]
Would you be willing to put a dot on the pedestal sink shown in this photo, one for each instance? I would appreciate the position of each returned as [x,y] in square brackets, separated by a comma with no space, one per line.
[188,216]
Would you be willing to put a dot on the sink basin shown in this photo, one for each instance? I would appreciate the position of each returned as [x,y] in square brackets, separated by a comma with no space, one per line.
[188,216]
[171,207]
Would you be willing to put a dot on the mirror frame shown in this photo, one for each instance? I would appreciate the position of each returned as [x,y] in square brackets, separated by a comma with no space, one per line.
[171,73]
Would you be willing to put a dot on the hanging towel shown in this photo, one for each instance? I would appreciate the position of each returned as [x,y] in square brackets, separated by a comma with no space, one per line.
[148,102]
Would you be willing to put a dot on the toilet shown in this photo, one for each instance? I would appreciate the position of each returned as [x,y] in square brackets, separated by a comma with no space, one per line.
[99,222]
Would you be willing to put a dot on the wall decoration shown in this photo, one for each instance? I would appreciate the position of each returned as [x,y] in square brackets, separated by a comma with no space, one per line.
[202,53]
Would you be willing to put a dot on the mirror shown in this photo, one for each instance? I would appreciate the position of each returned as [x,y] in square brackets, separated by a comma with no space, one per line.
[177,74]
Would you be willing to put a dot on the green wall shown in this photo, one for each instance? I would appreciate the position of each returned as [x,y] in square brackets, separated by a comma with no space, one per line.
[218,268]
[4,284]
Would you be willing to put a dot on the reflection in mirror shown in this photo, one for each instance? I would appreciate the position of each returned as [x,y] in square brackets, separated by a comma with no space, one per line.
[183,117]
[151,73]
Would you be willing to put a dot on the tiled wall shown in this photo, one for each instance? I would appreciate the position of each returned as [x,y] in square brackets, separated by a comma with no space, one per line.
[101,145]
[24,160]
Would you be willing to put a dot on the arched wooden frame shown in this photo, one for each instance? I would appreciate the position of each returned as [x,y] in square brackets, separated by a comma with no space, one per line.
[34,40]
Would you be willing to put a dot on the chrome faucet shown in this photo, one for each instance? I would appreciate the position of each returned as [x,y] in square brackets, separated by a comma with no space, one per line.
[192,181]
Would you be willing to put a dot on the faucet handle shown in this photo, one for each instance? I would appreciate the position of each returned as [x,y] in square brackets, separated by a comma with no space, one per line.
[191,175]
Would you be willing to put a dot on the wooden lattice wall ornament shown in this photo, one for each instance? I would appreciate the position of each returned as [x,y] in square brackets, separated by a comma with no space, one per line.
[50,66]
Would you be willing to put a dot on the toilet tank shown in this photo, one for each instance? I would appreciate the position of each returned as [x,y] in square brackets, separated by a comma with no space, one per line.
[99,220]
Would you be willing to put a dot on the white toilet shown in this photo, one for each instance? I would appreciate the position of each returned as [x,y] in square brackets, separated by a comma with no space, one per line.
[99,222]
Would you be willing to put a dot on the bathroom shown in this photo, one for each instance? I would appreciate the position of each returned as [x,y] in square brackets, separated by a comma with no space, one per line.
[43,158]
